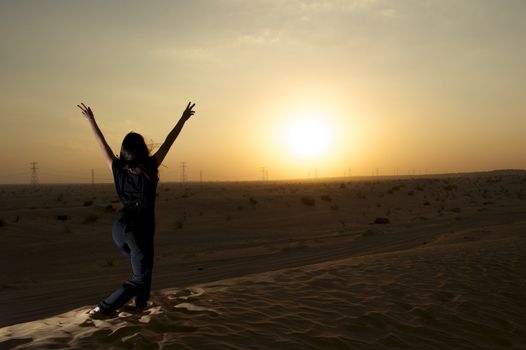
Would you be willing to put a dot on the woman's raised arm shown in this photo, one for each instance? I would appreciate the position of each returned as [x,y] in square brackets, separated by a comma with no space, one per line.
[165,147]
[106,150]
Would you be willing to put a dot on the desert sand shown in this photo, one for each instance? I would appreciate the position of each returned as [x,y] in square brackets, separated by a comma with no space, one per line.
[435,262]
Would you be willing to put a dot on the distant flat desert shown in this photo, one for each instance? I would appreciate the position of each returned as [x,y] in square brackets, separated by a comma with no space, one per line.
[427,262]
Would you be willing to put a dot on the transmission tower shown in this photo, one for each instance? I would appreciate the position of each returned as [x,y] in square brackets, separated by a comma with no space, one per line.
[264,174]
[183,172]
[152,145]
[34,175]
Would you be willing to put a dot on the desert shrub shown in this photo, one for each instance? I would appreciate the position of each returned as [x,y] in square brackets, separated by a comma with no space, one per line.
[381,221]
[326,198]
[427,203]
[2,223]
[62,217]
[309,201]
[252,200]
[88,203]
[109,208]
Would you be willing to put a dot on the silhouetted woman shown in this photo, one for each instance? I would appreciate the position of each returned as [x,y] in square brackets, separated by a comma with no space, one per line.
[135,174]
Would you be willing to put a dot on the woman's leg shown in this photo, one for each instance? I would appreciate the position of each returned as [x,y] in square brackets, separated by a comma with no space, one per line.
[118,233]
[142,266]
[139,241]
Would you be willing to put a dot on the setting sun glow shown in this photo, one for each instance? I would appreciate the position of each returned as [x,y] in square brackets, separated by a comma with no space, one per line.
[307,137]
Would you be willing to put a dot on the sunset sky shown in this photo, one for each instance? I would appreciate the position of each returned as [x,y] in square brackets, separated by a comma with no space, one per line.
[301,88]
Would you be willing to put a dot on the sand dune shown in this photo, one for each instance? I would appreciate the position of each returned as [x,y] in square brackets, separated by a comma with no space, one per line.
[253,266]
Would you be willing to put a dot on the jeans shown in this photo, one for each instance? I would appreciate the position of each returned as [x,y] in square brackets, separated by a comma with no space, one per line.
[133,235]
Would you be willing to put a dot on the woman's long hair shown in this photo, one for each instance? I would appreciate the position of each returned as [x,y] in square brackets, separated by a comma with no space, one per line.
[134,154]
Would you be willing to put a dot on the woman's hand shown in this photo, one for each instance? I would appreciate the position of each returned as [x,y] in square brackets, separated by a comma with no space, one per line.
[165,147]
[108,153]
[87,112]
[188,112]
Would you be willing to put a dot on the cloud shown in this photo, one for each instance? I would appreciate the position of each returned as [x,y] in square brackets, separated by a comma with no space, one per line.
[262,37]
[185,53]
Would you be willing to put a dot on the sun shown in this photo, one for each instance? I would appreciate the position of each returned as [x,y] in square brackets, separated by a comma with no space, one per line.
[307,137]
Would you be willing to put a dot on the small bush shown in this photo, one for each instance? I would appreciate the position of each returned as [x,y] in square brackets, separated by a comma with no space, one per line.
[62,217]
[326,198]
[309,201]
[88,203]
[2,223]
[253,201]
[381,221]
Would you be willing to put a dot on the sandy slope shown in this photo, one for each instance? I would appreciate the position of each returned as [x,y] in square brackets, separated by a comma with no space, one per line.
[447,271]
[449,295]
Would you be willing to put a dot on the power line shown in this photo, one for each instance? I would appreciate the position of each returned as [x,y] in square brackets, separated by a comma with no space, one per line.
[15,174]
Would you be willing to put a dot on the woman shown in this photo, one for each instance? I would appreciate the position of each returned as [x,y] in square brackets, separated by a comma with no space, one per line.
[135,174]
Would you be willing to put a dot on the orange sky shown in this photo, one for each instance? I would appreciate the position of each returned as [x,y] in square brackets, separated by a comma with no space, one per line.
[423,86]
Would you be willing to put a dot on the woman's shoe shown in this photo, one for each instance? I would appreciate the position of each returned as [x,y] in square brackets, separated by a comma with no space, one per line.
[98,314]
